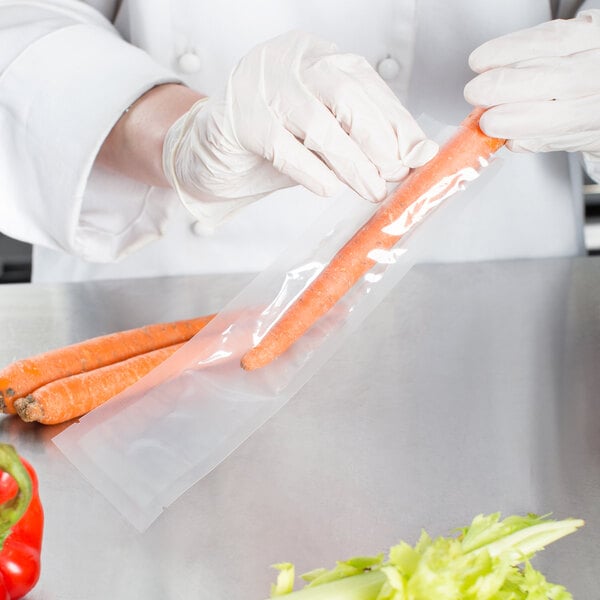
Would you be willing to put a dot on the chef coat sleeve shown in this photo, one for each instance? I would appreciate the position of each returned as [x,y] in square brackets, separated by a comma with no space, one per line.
[591,164]
[66,76]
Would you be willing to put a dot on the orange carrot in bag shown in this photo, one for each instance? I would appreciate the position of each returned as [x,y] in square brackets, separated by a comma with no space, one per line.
[71,397]
[24,376]
[420,192]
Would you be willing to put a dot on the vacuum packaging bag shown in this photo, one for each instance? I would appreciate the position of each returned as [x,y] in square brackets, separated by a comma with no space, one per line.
[153,441]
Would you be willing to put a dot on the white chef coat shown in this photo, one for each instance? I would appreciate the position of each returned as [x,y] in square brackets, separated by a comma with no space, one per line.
[68,70]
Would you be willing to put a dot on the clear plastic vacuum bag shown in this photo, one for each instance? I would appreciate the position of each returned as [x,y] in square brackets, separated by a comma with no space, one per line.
[149,444]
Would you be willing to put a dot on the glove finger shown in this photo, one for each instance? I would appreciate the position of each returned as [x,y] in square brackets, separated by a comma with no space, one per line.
[291,158]
[553,38]
[536,79]
[360,118]
[351,73]
[311,122]
[414,147]
[588,141]
[529,120]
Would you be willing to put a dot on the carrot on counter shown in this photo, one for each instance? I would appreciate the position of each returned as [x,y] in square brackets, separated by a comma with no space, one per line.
[415,197]
[73,396]
[24,376]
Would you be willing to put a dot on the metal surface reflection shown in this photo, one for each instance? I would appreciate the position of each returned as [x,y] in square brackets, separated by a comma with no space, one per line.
[472,388]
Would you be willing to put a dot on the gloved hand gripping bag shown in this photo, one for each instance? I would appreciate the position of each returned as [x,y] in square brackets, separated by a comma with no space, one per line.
[152,442]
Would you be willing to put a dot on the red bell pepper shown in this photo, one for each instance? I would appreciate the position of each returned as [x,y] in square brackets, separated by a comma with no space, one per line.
[21,525]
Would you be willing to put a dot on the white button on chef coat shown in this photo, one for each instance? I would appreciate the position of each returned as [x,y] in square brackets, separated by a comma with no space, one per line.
[86,223]
[198,229]
[388,68]
[189,62]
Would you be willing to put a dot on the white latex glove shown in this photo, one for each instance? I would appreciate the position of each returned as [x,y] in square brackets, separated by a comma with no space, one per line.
[294,111]
[543,85]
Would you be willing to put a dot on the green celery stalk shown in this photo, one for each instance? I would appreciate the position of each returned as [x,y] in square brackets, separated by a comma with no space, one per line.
[365,586]
[527,542]
[482,563]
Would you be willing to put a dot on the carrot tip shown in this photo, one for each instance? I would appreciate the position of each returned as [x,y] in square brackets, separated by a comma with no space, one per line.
[245,365]
[29,409]
[253,360]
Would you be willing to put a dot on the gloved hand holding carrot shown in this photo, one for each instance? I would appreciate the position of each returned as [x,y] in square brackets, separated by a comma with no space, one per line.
[540,86]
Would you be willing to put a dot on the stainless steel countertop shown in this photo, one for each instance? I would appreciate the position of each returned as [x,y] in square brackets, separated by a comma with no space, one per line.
[473,388]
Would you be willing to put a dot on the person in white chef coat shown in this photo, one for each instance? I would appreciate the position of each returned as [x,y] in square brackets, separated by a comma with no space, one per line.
[113,164]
